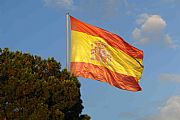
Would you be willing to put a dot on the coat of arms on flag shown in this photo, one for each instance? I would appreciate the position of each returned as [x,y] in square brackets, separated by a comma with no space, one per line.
[100,53]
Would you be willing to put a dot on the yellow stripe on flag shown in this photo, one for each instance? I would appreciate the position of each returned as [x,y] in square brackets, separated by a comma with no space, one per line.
[85,47]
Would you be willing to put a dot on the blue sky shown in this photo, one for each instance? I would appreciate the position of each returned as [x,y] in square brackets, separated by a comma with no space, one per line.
[38,27]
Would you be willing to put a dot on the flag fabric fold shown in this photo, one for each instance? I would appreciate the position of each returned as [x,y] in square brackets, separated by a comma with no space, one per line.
[104,56]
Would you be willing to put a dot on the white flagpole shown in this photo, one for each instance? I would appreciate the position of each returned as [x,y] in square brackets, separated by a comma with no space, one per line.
[67,41]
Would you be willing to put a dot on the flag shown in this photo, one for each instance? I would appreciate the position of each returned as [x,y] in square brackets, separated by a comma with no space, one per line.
[101,55]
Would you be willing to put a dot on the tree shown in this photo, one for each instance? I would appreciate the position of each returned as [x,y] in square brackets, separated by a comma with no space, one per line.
[32,88]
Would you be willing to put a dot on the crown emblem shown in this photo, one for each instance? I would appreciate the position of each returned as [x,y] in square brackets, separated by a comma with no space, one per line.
[100,53]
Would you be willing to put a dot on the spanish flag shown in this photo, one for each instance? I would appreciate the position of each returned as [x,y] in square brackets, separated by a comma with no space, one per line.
[101,55]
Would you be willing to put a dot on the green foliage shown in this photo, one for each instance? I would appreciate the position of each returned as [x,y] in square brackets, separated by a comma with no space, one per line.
[32,88]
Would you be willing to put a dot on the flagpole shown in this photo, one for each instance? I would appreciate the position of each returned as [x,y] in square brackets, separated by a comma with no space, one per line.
[67,41]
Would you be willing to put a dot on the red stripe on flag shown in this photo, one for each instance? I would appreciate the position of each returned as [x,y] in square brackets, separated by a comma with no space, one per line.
[103,74]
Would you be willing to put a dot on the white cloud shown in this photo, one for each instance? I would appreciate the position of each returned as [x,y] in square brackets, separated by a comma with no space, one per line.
[136,33]
[67,4]
[169,111]
[153,23]
[170,77]
[168,41]
[151,28]
[142,18]
[107,10]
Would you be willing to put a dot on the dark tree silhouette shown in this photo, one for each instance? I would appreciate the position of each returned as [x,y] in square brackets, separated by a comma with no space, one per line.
[32,88]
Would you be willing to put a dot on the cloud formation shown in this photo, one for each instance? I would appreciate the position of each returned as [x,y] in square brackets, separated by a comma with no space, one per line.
[107,9]
[170,77]
[67,4]
[151,28]
[169,111]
